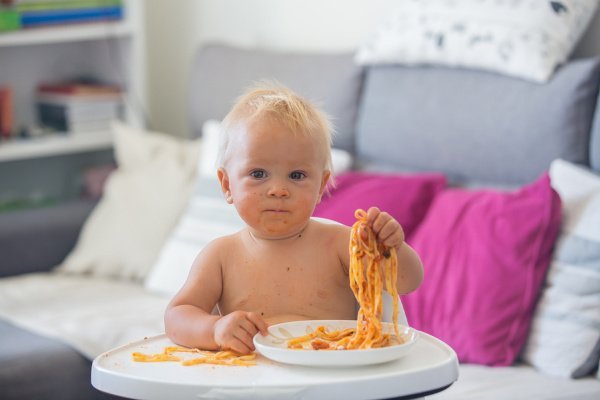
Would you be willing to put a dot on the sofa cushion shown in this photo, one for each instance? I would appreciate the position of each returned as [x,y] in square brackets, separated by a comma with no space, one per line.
[142,201]
[565,334]
[485,255]
[405,197]
[476,127]
[218,79]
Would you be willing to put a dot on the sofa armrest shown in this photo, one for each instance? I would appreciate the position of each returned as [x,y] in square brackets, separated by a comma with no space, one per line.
[36,240]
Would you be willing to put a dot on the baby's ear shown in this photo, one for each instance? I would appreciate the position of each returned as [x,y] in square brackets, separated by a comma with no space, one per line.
[225,188]
[326,177]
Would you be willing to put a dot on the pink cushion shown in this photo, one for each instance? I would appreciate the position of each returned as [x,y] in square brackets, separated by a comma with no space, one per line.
[405,197]
[485,255]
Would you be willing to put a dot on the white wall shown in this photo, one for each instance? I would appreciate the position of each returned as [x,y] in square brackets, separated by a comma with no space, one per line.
[176,27]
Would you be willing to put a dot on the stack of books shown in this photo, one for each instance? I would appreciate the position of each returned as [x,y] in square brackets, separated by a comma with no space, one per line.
[77,107]
[36,13]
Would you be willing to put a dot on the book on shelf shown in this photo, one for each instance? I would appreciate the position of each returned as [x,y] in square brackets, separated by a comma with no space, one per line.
[10,19]
[33,19]
[6,112]
[78,107]
[44,5]
[76,88]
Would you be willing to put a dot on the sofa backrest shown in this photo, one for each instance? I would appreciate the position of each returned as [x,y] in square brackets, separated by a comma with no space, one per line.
[477,127]
[220,74]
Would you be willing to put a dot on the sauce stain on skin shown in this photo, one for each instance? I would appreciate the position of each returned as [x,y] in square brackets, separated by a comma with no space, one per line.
[321,294]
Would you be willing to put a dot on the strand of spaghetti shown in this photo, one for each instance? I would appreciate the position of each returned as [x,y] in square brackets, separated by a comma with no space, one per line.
[161,357]
[219,358]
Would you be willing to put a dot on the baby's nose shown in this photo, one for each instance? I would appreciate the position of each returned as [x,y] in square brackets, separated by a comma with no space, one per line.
[278,191]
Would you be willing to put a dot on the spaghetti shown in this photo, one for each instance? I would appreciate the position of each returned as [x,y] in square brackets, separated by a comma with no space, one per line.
[373,268]
[208,357]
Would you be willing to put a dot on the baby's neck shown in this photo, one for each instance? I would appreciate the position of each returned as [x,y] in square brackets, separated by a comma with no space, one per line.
[257,237]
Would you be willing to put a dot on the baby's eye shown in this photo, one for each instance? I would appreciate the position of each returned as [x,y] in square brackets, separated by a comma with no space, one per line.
[258,174]
[297,175]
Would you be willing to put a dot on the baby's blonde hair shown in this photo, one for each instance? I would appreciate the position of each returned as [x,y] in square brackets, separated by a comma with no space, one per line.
[279,102]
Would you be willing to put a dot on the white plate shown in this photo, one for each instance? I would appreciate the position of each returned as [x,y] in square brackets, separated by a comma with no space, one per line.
[274,346]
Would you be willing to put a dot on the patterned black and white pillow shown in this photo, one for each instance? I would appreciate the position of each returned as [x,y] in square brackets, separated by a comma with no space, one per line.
[521,38]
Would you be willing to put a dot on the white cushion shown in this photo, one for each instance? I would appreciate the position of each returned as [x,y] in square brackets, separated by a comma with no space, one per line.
[520,382]
[142,202]
[564,339]
[523,38]
[211,130]
[207,217]
[341,160]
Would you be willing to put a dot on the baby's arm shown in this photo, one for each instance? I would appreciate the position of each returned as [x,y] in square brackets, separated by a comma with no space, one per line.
[188,318]
[388,230]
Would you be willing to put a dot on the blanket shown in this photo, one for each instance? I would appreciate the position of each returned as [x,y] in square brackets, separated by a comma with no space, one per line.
[113,313]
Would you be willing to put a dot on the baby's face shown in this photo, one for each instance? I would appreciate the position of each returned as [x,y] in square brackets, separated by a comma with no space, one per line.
[274,178]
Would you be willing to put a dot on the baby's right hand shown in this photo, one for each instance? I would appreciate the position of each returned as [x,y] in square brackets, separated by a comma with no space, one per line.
[235,331]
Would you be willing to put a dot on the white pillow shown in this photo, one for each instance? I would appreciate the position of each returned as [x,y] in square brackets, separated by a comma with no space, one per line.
[211,129]
[207,217]
[341,160]
[521,38]
[142,201]
[564,339]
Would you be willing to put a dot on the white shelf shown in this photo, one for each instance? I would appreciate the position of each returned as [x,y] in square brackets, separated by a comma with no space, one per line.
[52,145]
[66,33]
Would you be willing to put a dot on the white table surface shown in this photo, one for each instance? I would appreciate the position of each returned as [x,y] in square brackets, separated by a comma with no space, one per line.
[431,365]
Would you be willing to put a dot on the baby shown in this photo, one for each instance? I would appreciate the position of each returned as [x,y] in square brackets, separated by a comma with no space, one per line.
[274,165]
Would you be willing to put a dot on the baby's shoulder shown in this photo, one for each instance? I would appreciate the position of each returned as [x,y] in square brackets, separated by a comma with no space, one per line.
[327,227]
[220,251]
[223,243]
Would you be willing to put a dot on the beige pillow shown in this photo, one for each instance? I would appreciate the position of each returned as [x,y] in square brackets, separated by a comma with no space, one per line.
[142,202]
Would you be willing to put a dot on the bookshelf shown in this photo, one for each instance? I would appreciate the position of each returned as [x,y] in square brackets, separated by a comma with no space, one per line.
[110,51]
[55,145]
[63,34]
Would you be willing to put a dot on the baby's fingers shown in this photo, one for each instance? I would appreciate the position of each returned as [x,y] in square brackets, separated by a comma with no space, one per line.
[372,215]
[391,234]
[388,230]
[259,323]
[240,346]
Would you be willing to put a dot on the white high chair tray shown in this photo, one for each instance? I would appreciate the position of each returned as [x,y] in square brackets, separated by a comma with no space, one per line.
[430,366]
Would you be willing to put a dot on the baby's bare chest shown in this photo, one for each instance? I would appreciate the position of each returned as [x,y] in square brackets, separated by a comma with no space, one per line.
[293,282]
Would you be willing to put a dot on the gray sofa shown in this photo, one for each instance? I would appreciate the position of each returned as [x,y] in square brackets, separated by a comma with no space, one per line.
[480,129]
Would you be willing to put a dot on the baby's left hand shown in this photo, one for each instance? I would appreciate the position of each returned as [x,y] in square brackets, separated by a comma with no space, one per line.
[388,230]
